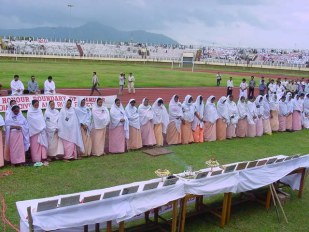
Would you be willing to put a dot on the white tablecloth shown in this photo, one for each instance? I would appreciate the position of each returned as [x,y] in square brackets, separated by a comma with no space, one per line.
[127,206]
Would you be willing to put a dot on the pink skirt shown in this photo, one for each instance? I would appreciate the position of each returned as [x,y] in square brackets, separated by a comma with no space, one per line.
[17,150]
[221,129]
[241,128]
[70,151]
[266,126]
[289,122]
[230,131]
[38,152]
[251,130]
[117,141]
[296,121]
[98,141]
[259,127]
[148,135]
[274,121]
[198,134]
[282,123]
[210,131]
[172,134]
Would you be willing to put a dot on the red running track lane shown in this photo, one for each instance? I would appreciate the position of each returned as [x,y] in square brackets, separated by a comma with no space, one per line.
[153,93]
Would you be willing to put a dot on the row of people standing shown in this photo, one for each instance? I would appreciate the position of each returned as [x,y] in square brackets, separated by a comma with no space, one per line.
[75,132]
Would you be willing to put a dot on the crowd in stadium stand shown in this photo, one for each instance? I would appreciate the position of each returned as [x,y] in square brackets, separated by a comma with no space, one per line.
[132,50]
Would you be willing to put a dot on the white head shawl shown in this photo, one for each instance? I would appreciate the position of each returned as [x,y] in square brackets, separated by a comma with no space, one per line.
[100,116]
[51,119]
[175,113]
[83,114]
[145,113]
[9,108]
[232,111]
[160,115]
[188,109]
[118,113]
[210,113]
[222,109]
[259,105]
[297,103]
[274,103]
[283,108]
[199,108]
[242,109]
[306,102]
[17,120]
[37,125]
[69,126]
[132,114]
[289,102]
[252,112]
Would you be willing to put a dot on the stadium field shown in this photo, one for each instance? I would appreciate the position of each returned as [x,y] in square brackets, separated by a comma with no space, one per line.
[99,172]
[110,170]
[77,74]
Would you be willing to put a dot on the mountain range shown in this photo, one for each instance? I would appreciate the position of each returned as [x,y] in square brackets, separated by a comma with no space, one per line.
[90,31]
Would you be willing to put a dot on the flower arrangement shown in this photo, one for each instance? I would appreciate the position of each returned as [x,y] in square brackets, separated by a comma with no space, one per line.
[162,173]
[212,163]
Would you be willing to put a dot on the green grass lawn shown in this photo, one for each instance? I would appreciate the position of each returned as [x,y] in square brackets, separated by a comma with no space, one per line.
[100,172]
[77,74]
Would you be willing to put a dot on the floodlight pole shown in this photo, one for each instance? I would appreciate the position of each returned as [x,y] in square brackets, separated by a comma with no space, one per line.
[70,6]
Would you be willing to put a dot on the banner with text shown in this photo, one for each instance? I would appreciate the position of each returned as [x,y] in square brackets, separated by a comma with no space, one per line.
[24,101]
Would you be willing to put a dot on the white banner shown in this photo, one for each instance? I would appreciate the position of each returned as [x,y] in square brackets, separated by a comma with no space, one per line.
[24,101]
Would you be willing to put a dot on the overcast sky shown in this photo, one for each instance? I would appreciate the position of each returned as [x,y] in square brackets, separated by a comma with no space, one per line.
[246,23]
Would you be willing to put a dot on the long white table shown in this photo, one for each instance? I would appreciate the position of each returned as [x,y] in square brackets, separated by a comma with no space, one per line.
[72,218]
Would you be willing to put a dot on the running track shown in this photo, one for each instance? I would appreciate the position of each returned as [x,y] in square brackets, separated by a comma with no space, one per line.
[153,93]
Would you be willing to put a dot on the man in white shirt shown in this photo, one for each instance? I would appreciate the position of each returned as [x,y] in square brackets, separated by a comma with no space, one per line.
[272,87]
[49,86]
[131,80]
[17,86]
[95,83]
[218,78]
[230,86]
[285,82]
[243,89]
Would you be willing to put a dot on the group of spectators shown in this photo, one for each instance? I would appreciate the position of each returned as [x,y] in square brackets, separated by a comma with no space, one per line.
[17,86]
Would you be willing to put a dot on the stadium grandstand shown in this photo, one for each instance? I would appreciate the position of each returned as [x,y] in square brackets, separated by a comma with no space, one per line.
[156,52]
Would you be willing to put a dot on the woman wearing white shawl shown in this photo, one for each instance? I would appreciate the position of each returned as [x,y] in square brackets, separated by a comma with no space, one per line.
[210,118]
[305,115]
[100,119]
[135,139]
[17,135]
[297,112]
[160,120]
[259,118]
[51,116]
[84,117]
[274,112]
[198,124]
[283,113]
[188,116]
[289,118]
[146,121]
[252,116]
[6,146]
[233,116]
[223,118]
[37,131]
[69,131]
[1,142]
[242,125]
[173,135]
[118,128]
[266,115]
